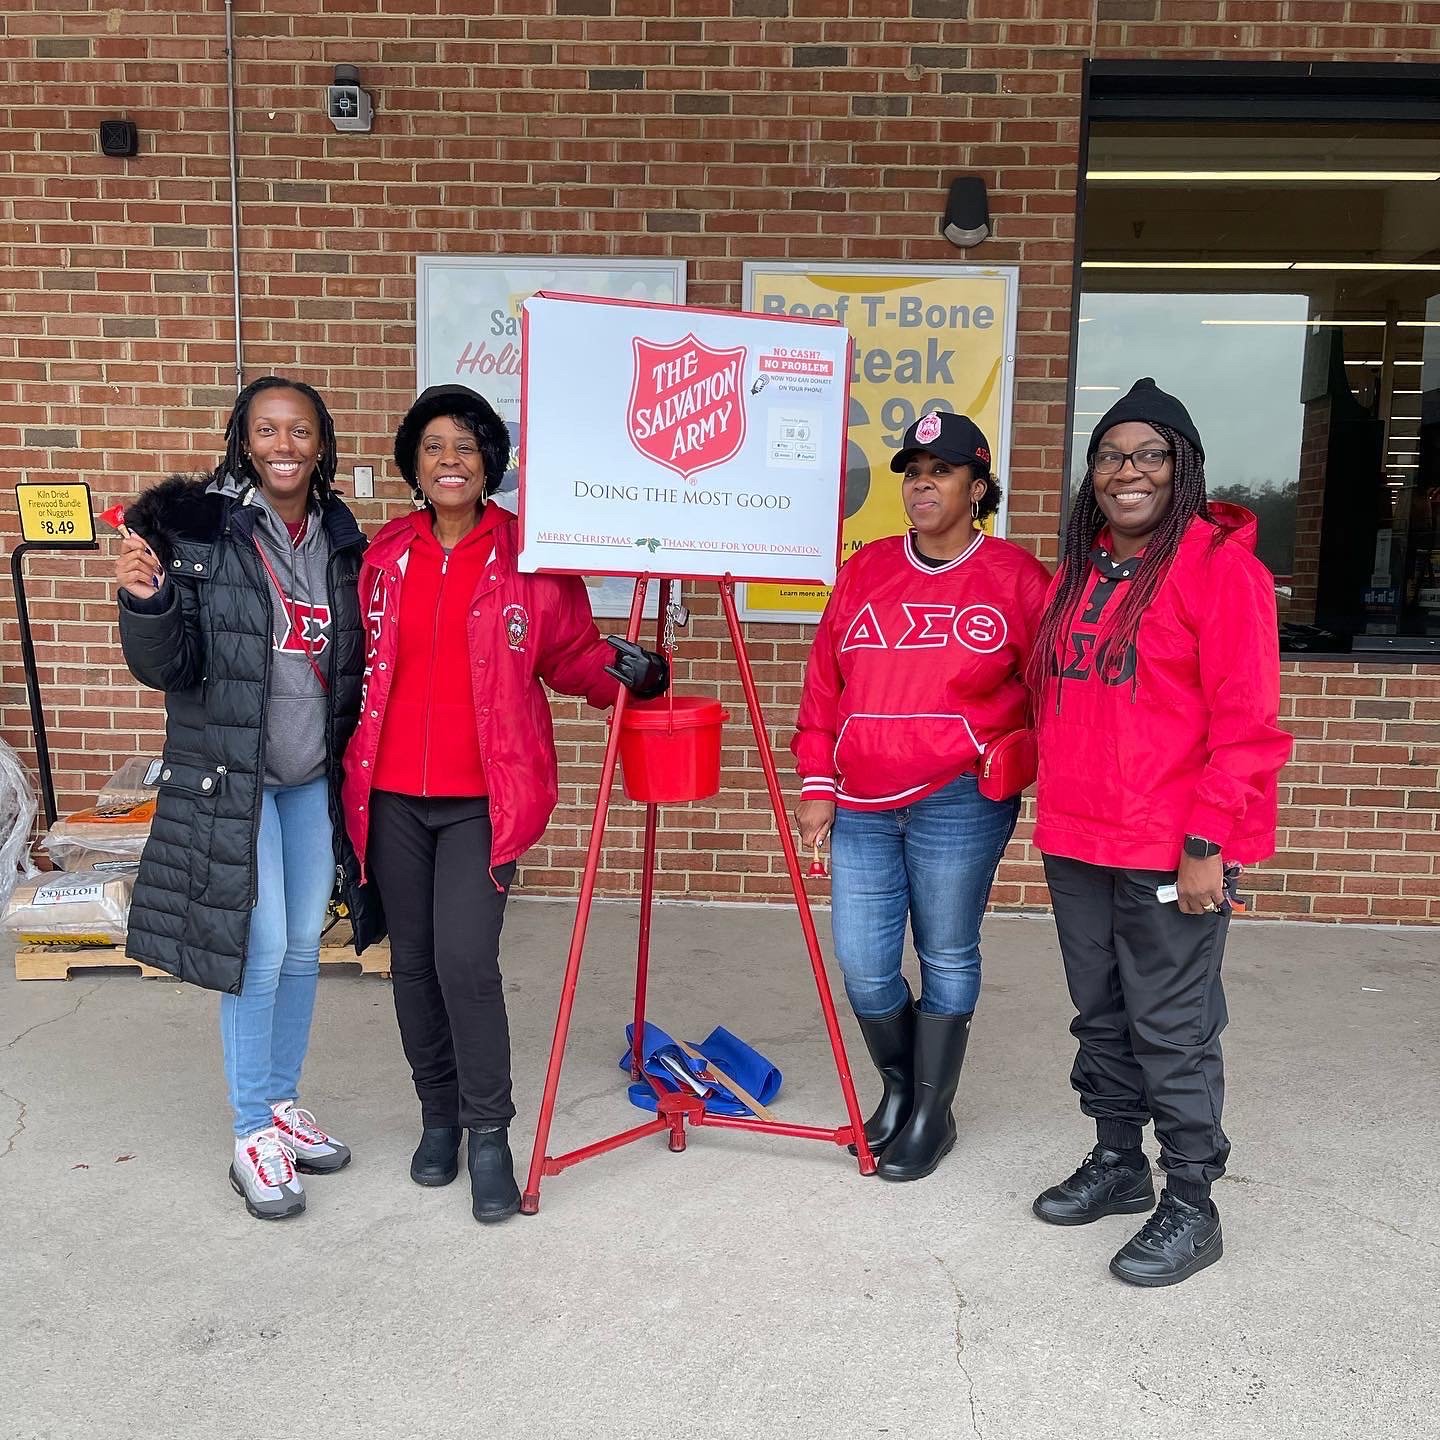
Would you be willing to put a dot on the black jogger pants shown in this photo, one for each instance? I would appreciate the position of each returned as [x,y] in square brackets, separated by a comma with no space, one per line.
[1145,981]
[431,860]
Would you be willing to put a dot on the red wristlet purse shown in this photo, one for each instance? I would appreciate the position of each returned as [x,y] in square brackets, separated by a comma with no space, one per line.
[1009,765]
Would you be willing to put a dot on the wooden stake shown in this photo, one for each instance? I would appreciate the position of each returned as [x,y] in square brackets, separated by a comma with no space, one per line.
[737,1090]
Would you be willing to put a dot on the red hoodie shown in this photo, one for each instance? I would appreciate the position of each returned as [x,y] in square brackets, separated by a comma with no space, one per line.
[914,670]
[519,630]
[1185,740]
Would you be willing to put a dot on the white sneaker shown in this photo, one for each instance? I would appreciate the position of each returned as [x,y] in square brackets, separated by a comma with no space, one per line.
[263,1173]
[315,1152]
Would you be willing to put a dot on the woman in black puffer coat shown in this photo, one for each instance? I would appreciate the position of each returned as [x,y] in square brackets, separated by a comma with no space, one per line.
[238,600]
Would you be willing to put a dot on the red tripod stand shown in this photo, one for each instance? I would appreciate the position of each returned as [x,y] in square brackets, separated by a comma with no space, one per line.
[675,1110]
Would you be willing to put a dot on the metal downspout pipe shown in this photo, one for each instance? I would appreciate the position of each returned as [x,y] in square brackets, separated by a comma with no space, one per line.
[234,190]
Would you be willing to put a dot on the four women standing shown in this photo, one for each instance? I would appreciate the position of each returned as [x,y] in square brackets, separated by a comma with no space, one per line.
[1154,664]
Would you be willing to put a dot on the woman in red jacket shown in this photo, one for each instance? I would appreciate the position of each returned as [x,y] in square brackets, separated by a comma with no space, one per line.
[1158,667]
[451,775]
[917,665]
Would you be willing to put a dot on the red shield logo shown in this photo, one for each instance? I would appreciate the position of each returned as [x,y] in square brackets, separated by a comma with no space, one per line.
[687,404]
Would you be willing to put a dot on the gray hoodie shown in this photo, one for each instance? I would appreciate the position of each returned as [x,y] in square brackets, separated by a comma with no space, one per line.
[295,721]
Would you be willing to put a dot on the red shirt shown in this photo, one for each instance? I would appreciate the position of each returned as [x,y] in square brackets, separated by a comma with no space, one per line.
[429,744]
[522,630]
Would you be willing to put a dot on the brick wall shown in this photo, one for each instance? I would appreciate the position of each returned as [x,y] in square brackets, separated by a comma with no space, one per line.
[713,130]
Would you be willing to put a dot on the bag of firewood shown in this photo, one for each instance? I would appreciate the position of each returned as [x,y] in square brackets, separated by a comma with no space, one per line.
[88,907]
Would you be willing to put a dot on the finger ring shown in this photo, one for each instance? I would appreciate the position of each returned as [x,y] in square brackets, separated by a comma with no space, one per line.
[1210,907]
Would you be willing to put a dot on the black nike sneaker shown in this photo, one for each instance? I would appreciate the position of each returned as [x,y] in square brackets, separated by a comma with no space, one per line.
[1175,1242]
[1103,1185]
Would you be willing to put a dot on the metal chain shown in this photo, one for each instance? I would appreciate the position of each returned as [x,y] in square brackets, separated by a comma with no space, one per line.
[676,617]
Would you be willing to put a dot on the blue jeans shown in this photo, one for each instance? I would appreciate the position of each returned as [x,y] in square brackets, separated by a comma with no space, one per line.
[934,862]
[265,1029]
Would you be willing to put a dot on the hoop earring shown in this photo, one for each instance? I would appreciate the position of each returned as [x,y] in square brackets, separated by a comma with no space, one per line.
[975,511]
[417,499]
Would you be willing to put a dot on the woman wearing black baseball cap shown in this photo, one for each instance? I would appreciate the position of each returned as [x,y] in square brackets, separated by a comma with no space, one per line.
[916,671]
[1158,676]
[452,776]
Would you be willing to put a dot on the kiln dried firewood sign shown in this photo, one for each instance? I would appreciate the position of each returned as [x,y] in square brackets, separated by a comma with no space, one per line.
[670,440]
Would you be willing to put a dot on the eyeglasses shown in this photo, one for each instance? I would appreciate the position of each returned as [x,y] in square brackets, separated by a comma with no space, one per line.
[1107,462]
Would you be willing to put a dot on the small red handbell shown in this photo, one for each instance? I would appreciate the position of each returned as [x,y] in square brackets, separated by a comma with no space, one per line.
[817,870]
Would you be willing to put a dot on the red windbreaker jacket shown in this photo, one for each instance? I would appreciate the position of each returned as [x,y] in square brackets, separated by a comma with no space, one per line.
[1185,741]
[914,670]
[521,629]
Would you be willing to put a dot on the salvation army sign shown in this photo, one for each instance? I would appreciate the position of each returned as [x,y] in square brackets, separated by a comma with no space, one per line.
[670,440]
[686,411]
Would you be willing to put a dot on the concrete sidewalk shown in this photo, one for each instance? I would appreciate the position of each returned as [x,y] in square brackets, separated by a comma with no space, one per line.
[747,1288]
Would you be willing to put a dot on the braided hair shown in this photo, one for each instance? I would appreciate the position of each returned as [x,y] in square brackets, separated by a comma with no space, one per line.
[1187,501]
[236,460]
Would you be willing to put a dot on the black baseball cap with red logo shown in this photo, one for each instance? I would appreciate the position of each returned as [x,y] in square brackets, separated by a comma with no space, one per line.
[956,438]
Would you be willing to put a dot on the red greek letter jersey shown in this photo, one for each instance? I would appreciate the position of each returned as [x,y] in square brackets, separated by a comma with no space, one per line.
[914,670]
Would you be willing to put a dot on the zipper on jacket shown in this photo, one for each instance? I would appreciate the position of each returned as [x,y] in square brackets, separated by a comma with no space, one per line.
[261,585]
[430,680]
[333,583]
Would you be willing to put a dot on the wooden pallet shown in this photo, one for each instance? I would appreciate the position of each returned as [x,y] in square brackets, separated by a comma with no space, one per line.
[48,962]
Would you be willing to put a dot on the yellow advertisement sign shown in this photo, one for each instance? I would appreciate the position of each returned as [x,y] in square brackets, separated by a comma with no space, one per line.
[55,514]
[927,337]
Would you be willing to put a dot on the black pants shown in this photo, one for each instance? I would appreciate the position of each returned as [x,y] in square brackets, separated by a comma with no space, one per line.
[1145,980]
[431,860]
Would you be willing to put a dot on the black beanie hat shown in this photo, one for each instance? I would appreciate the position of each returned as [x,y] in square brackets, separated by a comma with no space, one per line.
[494,437]
[1148,402]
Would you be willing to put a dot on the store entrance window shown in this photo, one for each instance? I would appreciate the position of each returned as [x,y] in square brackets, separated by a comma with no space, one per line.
[1283,279]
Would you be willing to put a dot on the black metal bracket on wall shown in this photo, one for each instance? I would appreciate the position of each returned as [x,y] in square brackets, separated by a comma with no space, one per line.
[32,674]
[1247,91]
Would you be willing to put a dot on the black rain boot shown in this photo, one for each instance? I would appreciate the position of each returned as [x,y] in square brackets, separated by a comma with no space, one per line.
[436,1160]
[890,1039]
[494,1194]
[929,1134]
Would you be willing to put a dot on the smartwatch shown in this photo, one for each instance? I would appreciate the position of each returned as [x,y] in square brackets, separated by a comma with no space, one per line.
[1200,849]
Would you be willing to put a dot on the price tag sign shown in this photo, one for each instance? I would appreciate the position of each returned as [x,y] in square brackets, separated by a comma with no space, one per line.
[58,514]
[927,337]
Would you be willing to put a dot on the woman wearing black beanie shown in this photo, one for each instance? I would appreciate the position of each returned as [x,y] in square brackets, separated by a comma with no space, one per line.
[1157,672]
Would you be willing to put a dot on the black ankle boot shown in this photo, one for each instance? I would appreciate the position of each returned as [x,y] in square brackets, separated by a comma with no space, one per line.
[929,1134]
[1105,1184]
[891,1043]
[436,1160]
[494,1194]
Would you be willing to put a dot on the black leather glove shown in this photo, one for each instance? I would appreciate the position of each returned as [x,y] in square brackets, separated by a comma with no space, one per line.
[642,672]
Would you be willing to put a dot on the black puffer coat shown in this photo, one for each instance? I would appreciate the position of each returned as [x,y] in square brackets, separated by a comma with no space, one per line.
[210,652]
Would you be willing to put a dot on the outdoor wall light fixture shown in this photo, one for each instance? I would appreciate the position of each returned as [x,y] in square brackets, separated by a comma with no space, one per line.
[119,139]
[966,221]
[347,105]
